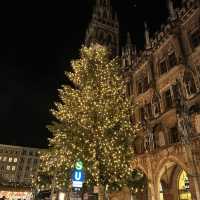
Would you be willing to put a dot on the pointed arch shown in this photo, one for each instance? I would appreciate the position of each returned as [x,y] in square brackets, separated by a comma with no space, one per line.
[169,160]
[167,170]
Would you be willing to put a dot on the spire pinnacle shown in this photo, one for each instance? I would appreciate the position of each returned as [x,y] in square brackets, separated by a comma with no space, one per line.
[171,9]
[147,38]
[129,41]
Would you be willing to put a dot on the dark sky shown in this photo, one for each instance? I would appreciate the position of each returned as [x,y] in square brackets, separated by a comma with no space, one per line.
[37,41]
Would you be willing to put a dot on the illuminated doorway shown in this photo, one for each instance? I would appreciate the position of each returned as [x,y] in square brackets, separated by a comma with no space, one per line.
[161,192]
[184,187]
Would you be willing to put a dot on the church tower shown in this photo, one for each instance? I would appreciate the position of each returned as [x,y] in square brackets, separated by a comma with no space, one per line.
[104,27]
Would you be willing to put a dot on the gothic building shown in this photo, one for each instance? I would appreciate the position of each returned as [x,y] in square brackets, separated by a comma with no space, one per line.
[104,27]
[164,81]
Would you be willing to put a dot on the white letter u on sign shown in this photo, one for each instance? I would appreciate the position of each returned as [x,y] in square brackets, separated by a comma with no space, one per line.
[77,176]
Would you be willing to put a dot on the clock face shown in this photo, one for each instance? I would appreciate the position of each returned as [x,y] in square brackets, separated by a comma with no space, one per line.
[79,165]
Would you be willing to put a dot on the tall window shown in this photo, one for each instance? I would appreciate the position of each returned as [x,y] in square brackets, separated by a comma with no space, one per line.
[139,87]
[174,135]
[168,99]
[129,88]
[195,38]
[155,106]
[163,67]
[149,110]
[168,63]
[145,83]
[189,84]
[172,60]
[142,84]
[142,114]
[132,119]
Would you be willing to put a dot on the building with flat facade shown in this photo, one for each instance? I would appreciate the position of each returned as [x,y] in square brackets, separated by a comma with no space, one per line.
[18,164]
[164,81]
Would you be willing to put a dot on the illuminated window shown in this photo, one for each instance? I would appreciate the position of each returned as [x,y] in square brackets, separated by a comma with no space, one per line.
[8,167]
[10,159]
[15,160]
[184,187]
[13,168]
[161,192]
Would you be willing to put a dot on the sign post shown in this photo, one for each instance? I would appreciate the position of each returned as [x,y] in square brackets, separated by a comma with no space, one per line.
[78,175]
[78,178]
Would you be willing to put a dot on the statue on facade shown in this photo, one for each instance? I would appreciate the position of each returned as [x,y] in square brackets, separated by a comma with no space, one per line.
[183,128]
[146,144]
[149,139]
[183,117]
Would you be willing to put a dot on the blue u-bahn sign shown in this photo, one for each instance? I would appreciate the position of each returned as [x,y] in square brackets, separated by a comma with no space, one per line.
[78,175]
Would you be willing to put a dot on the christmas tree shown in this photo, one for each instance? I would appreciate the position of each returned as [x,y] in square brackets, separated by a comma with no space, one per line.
[92,123]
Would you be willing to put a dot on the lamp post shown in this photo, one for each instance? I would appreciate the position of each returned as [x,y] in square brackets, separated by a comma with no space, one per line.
[53,186]
[53,183]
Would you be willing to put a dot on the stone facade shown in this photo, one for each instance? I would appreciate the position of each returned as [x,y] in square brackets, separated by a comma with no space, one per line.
[164,81]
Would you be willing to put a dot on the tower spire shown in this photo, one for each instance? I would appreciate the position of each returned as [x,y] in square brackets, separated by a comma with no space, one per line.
[147,38]
[171,9]
[128,52]
[129,41]
[104,27]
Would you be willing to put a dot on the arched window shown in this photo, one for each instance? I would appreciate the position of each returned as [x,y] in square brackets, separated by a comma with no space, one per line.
[189,83]
[184,187]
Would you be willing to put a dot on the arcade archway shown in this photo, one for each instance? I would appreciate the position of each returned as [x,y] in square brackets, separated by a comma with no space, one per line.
[173,183]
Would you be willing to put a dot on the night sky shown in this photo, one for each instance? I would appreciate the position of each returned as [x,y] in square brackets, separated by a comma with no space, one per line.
[37,42]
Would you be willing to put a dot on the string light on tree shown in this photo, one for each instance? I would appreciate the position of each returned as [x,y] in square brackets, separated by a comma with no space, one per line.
[93,123]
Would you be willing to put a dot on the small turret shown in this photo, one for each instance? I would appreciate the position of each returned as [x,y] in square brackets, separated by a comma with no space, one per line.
[147,38]
[128,52]
[172,11]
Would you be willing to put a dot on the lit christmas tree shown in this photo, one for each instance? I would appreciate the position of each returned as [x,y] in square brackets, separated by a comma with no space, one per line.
[93,123]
